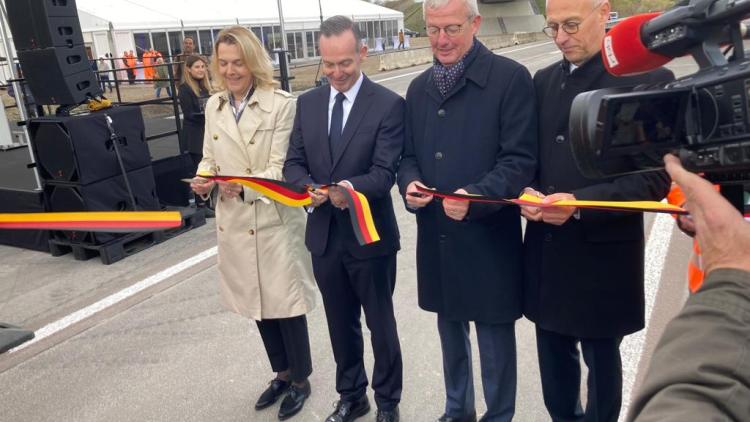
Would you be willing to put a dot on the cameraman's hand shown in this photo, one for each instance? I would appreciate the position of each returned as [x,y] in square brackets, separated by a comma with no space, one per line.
[722,232]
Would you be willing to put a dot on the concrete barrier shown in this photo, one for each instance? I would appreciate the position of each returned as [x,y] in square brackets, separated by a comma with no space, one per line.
[416,56]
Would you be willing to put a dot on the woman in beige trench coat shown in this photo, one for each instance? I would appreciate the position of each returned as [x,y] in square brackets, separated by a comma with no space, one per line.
[266,273]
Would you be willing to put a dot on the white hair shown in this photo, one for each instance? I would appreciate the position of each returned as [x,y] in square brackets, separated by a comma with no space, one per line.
[471,6]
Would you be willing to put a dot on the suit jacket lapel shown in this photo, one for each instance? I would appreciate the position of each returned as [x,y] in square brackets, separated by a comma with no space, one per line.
[325,144]
[359,110]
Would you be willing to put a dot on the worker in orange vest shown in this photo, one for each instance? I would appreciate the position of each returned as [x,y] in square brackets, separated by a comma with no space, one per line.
[694,269]
[148,71]
[695,273]
[130,61]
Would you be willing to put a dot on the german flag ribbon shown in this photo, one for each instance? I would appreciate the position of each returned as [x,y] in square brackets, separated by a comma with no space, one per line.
[93,221]
[359,213]
[282,192]
[526,199]
[297,196]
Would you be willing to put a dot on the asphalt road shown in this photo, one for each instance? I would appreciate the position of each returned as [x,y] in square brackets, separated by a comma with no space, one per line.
[146,338]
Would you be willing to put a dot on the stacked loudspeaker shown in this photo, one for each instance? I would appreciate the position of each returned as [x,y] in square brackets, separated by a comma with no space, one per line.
[78,162]
[49,43]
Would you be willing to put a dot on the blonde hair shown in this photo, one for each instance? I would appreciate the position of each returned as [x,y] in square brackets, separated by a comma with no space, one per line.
[195,85]
[253,54]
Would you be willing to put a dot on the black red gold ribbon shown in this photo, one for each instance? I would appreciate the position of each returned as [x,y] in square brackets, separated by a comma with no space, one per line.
[298,196]
[93,221]
[359,211]
[526,199]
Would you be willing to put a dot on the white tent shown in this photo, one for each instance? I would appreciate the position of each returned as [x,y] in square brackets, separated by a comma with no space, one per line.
[114,26]
[165,14]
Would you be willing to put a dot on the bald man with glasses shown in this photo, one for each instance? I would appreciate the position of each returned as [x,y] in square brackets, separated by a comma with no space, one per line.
[583,269]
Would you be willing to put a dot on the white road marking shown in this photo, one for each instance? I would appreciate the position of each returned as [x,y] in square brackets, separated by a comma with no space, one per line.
[525,48]
[399,76]
[631,348]
[80,315]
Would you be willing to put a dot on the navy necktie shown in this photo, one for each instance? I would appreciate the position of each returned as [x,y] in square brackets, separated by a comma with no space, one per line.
[337,124]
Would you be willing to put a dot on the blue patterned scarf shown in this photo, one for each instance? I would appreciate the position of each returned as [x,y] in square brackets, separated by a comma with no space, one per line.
[445,77]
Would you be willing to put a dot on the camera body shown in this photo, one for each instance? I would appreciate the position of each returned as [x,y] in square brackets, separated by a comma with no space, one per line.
[704,118]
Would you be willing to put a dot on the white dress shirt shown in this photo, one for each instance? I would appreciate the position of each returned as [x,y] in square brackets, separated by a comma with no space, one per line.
[350,95]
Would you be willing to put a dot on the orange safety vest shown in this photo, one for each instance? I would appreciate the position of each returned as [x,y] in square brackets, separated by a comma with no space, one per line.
[695,273]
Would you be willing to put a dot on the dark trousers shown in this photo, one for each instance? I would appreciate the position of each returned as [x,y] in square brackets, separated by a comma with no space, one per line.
[287,346]
[560,367]
[104,79]
[349,285]
[497,354]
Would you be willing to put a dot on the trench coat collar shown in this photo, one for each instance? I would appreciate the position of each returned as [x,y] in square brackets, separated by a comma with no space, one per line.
[243,131]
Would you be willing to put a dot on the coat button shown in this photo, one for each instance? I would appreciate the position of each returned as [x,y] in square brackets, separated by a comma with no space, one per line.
[251,232]
[548,237]
[247,170]
[221,229]
[252,141]
[441,113]
[216,137]
[551,189]
[438,155]
[560,139]
[218,169]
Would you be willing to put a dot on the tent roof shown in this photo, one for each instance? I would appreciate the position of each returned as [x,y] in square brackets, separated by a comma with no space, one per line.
[162,14]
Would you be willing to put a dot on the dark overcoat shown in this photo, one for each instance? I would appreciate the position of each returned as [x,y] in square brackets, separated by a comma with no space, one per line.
[481,137]
[585,278]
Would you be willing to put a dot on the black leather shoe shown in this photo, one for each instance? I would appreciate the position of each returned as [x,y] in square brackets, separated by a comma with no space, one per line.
[347,411]
[276,388]
[472,417]
[387,415]
[294,400]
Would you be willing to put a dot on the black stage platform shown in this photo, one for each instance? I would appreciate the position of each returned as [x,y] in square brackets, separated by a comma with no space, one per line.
[18,191]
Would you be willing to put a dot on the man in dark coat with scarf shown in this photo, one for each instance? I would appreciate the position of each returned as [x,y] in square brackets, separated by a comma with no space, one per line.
[583,268]
[470,127]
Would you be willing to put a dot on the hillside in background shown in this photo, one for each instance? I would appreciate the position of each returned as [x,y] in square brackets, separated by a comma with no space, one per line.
[629,7]
[412,13]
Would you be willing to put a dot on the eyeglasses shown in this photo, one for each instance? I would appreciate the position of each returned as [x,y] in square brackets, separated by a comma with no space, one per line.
[450,30]
[570,27]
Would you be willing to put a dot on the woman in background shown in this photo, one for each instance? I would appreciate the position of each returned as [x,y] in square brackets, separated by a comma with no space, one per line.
[266,272]
[193,93]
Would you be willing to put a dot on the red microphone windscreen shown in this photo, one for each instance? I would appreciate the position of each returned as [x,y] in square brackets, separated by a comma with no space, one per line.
[623,51]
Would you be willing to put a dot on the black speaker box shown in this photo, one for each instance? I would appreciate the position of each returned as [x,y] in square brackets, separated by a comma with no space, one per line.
[106,195]
[44,23]
[78,149]
[168,172]
[59,75]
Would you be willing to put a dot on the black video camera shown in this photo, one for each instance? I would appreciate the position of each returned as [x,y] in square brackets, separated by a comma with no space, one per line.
[704,118]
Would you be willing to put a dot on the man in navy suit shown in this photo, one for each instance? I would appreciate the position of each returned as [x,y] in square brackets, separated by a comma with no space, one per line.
[351,133]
